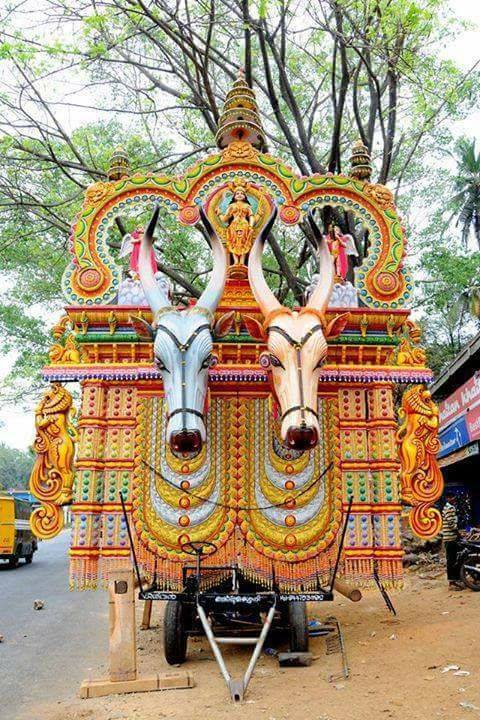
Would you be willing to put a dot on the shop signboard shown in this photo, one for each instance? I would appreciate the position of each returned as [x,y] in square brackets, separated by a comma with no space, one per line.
[463,454]
[454,437]
[464,399]
[472,419]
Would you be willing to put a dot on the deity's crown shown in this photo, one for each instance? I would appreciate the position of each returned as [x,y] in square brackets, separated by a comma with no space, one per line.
[239,184]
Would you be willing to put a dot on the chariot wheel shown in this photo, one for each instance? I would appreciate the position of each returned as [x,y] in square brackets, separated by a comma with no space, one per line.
[13,560]
[298,626]
[174,633]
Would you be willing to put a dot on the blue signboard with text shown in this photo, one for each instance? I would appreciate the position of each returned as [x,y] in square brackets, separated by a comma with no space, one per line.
[454,437]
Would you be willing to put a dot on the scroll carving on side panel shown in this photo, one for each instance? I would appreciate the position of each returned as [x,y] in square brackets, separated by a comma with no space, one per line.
[421,478]
[51,480]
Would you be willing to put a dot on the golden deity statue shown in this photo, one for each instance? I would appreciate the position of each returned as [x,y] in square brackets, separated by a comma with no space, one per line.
[240,219]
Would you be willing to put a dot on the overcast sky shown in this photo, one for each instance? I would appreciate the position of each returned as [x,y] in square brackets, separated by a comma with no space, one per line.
[17,424]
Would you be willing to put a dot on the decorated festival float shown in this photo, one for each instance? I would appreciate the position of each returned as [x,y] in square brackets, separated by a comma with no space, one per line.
[236,447]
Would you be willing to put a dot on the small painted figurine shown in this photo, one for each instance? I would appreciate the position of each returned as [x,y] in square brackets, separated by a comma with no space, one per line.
[337,245]
[241,219]
[131,246]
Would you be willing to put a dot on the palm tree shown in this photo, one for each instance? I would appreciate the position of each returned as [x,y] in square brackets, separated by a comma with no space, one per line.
[467,187]
[472,298]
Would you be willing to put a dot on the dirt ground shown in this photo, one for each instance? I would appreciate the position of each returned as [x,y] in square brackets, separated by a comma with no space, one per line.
[396,665]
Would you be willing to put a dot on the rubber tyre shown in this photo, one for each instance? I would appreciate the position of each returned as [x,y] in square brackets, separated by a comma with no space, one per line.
[29,558]
[174,634]
[468,580]
[13,562]
[298,622]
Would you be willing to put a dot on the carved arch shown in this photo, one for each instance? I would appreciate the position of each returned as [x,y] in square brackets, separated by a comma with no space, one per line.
[92,278]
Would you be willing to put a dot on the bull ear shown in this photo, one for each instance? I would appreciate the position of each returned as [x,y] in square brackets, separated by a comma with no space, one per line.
[255,328]
[141,327]
[224,324]
[336,326]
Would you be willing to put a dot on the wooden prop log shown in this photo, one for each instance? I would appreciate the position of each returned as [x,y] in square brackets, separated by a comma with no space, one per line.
[121,605]
[347,590]
[147,615]
[123,677]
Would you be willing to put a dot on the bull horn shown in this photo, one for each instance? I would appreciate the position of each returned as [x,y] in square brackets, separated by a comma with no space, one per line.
[155,297]
[212,294]
[321,294]
[262,293]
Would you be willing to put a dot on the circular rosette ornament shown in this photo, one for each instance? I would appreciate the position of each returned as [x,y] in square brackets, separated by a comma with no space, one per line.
[289,214]
[189,215]
[89,279]
[387,282]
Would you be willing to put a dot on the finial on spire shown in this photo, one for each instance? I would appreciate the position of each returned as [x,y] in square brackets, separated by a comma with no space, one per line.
[119,166]
[360,162]
[240,118]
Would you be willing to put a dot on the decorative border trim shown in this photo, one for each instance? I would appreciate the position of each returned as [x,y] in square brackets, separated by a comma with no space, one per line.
[132,372]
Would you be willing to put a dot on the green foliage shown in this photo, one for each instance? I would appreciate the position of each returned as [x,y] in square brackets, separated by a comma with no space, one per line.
[467,185]
[447,272]
[15,467]
[38,202]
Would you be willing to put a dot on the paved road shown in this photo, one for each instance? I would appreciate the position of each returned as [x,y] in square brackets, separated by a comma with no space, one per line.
[46,653]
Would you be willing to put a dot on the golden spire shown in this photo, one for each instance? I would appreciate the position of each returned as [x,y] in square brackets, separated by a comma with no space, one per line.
[119,166]
[240,118]
[360,162]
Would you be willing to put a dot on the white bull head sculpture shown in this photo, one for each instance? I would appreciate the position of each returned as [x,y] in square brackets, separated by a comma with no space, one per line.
[297,344]
[183,343]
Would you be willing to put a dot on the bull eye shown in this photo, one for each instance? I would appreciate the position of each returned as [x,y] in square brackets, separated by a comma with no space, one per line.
[207,361]
[275,361]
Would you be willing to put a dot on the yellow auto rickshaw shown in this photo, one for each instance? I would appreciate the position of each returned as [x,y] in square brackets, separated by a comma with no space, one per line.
[16,538]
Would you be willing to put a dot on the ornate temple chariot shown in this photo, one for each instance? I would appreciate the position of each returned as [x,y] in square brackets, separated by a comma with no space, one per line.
[237,421]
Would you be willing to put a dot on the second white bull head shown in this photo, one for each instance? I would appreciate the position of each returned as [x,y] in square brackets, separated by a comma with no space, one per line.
[297,345]
[183,344]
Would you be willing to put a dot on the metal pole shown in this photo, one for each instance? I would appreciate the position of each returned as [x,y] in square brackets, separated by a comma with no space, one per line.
[213,644]
[342,540]
[137,571]
[258,647]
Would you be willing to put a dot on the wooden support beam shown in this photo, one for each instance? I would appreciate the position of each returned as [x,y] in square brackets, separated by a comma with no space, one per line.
[147,615]
[121,607]
[148,683]
[349,591]
[122,646]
